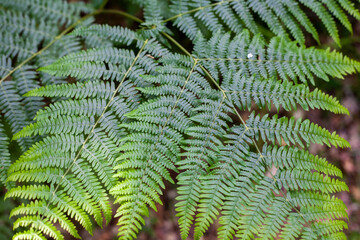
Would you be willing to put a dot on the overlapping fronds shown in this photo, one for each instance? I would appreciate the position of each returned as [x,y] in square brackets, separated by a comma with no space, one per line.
[70,172]
[281,17]
[139,116]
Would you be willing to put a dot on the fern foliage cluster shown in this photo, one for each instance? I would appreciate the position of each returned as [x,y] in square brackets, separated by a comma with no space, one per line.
[103,114]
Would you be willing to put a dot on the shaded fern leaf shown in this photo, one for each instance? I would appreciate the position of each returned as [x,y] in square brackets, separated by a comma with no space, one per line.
[10,104]
[57,11]
[26,27]
[281,17]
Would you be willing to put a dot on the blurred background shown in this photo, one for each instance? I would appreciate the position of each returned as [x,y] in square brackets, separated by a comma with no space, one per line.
[162,225]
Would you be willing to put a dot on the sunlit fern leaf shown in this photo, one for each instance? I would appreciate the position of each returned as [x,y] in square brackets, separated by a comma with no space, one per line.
[281,17]
[153,147]
[281,57]
[30,234]
[265,92]
[80,146]
[64,202]
[326,230]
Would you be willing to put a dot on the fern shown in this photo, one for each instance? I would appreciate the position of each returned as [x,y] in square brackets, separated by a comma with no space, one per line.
[141,114]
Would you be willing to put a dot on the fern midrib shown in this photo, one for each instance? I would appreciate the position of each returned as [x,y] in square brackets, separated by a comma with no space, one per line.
[271,60]
[292,132]
[96,123]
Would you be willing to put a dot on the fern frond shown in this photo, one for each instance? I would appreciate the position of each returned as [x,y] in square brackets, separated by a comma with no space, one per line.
[21,24]
[17,47]
[294,158]
[64,203]
[292,131]
[154,146]
[138,114]
[10,105]
[245,90]
[281,57]
[201,151]
[123,36]
[30,234]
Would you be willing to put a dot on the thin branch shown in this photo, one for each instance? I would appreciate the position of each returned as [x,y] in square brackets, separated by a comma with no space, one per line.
[197,9]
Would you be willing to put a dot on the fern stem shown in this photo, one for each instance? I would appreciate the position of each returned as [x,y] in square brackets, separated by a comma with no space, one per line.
[197,9]
[102,6]
[195,59]
[96,123]
[177,44]
[125,14]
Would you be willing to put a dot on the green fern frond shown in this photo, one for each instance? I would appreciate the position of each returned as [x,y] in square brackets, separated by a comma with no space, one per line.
[30,234]
[202,149]
[245,90]
[15,113]
[292,131]
[121,36]
[281,57]
[153,147]
[294,158]
[22,48]
[21,24]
